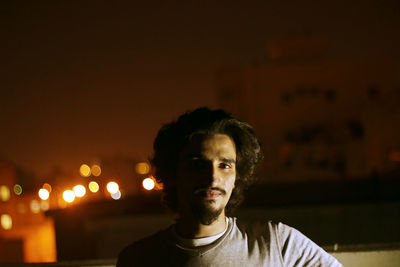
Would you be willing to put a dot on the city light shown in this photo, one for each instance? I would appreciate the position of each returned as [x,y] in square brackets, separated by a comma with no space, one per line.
[148,183]
[93,187]
[112,187]
[47,187]
[96,170]
[4,193]
[35,206]
[117,195]
[44,205]
[142,168]
[17,189]
[6,221]
[43,194]
[84,170]
[69,196]
[79,190]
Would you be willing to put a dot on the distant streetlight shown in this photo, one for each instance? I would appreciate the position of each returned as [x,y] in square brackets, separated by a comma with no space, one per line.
[93,187]
[47,187]
[17,189]
[148,184]
[4,193]
[69,196]
[35,206]
[44,205]
[84,170]
[96,170]
[6,221]
[117,195]
[43,194]
[112,187]
[79,190]
[142,168]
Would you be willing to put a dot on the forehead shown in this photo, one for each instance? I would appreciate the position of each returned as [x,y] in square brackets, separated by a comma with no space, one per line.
[217,144]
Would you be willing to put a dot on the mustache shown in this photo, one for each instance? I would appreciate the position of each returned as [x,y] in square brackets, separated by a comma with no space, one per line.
[201,189]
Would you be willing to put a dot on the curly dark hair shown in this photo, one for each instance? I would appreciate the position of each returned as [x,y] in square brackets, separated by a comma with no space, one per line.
[174,136]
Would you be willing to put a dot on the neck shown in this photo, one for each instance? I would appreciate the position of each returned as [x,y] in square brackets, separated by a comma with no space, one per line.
[189,227]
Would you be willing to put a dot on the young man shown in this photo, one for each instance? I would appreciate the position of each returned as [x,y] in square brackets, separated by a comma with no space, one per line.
[205,160]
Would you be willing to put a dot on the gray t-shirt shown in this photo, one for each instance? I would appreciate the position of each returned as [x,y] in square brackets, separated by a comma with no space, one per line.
[260,244]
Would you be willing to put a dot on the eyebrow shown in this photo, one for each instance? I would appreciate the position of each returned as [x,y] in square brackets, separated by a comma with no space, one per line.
[199,156]
[227,160]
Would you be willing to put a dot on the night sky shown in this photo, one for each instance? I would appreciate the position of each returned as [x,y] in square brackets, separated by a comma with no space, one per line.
[88,79]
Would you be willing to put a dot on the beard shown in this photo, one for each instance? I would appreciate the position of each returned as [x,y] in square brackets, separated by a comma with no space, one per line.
[204,213]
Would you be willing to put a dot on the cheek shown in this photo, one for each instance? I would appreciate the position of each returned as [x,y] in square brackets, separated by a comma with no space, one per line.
[230,182]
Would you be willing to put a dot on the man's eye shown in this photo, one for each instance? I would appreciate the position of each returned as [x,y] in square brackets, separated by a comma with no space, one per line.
[197,163]
[225,166]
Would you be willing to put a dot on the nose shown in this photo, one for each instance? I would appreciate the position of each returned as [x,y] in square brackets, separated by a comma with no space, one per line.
[216,176]
[211,176]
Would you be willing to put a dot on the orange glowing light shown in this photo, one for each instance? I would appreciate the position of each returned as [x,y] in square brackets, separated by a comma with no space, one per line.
[44,205]
[96,170]
[79,190]
[35,206]
[47,187]
[69,196]
[84,170]
[43,194]
[148,183]
[142,168]
[112,187]
[93,187]
[4,193]
[6,221]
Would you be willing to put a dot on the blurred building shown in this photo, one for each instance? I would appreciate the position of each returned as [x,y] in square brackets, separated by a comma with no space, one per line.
[319,118]
[25,233]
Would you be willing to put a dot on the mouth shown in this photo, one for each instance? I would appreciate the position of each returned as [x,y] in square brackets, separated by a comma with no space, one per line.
[210,193]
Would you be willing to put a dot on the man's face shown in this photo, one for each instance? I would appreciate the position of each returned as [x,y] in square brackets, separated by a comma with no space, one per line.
[206,176]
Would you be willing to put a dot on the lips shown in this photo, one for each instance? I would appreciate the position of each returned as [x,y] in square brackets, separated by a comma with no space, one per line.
[210,193]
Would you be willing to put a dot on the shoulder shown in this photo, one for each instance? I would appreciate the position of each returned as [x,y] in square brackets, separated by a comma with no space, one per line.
[288,244]
[270,228]
[297,248]
[140,252]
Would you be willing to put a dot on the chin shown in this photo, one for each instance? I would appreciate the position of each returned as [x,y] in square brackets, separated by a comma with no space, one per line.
[206,213]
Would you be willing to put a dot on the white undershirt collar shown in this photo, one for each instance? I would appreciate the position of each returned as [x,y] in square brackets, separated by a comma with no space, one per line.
[197,242]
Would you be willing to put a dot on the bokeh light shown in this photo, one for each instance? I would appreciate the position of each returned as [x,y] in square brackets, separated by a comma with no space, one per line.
[117,195]
[149,183]
[93,187]
[47,187]
[4,193]
[44,205]
[17,189]
[112,187]
[6,221]
[142,168]
[79,190]
[96,170]
[43,193]
[35,206]
[84,170]
[69,196]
